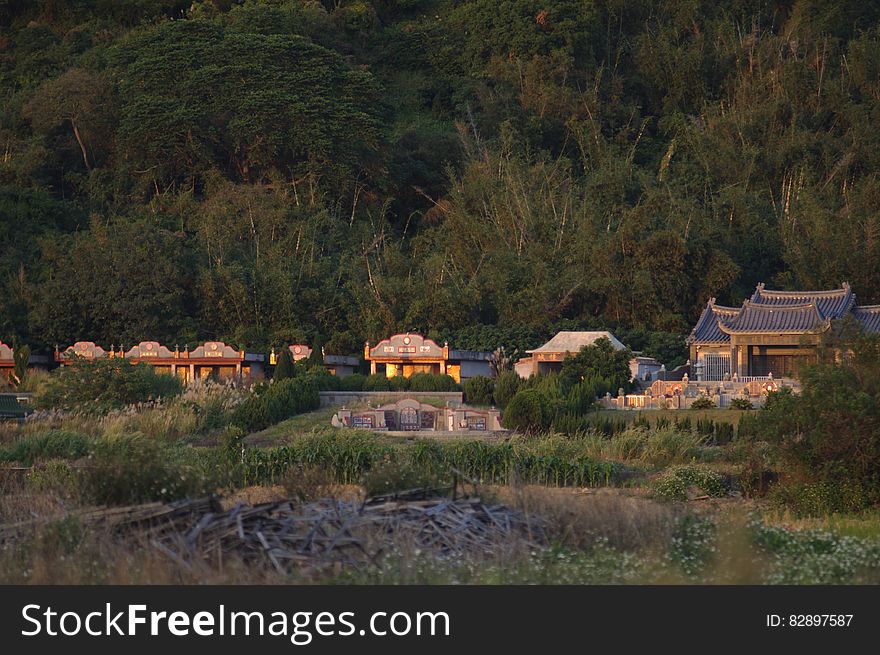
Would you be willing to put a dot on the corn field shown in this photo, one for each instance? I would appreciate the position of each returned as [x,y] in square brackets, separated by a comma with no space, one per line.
[720,432]
[347,458]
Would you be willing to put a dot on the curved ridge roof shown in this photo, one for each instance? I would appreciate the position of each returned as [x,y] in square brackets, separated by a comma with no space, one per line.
[754,317]
[832,303]
[769,310]
[706,330]
[868,316]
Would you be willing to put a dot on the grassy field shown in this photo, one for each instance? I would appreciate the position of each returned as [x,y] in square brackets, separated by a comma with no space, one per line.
[642,505]
[286,431]
[671,415]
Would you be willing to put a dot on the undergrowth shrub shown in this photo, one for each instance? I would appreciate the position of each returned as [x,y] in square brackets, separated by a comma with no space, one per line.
[55,477]
[377,382]
[741,404]
[693,545]
[526,412]
[428,382]
[478,390]
[136,470]
[703,402]
[54,444]
[323,379]
[675,483]
[756,472]
[398,383]
[393,476]
[804,499]
[353,382]
[506,385]
[103,385]
[817,556]
[272,403]
[826,436]
[306,483]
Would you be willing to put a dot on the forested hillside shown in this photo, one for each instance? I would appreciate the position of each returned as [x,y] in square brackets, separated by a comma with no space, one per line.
[270,171]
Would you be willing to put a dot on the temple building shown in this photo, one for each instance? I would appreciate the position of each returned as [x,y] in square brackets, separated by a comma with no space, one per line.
[339,365]
[406,354]
[549,357]
[773,333]
[7,362]
[213,359]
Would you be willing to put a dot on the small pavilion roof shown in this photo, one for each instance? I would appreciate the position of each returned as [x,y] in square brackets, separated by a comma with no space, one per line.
[572,342]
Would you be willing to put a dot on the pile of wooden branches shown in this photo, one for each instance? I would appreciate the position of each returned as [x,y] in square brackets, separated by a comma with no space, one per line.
[325,533]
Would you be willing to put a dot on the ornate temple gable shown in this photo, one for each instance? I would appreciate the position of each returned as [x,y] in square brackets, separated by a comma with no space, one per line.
[780,319]
[6,354]
[149,350]
[299,351]
[406,346]
[832,303]
[86,350]
[706,330]
[215,350]
[868,316]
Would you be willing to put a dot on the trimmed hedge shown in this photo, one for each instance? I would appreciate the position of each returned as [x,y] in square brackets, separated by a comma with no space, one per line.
[428,382]
[479,390]
[379,382]
[273,403]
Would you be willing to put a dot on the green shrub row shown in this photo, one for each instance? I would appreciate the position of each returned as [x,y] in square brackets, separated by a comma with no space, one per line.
[547,401]
[479,390]
[379,382]
[272,403]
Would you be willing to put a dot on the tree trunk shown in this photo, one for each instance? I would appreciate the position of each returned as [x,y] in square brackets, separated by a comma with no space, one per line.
[82,146]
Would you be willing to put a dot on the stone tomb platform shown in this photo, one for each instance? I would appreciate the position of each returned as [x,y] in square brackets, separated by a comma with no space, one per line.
[415,415]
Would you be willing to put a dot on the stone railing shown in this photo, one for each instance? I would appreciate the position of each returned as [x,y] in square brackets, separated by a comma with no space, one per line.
[668,394]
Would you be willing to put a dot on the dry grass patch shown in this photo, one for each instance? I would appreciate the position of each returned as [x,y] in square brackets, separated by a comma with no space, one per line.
[577,518]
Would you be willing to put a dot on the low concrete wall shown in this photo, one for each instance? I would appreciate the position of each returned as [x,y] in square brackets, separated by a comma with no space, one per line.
[351,398]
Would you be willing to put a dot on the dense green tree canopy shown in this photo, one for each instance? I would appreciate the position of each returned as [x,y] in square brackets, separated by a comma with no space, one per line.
[270,171]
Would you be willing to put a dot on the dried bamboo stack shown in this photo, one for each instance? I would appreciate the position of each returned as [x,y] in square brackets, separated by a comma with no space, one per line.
[320,534]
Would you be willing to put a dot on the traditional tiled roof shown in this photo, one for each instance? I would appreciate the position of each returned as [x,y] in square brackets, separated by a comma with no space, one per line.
[787,319]
[782,312]
[572,342]
[868,316]
[833,303]
[706,330]
[10,407]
